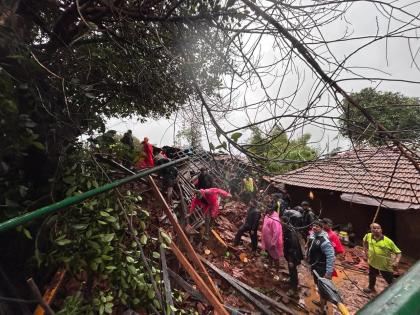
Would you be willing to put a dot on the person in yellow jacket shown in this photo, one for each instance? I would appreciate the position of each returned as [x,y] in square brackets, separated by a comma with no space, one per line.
[249,189]
[382,255]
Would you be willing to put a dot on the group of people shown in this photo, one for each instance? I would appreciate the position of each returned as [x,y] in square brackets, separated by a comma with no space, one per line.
[282,227]
[280,237]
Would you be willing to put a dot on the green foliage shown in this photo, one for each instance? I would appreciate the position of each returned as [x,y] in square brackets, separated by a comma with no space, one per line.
[19,138]
[61,77]
[276,147]
[94,238]
[109,143]
[396,112]
[191,133]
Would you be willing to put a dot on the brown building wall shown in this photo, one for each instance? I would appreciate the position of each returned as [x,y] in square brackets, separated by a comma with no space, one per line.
[401,226]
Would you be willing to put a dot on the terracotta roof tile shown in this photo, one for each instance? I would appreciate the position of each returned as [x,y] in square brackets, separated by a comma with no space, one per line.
[368,171]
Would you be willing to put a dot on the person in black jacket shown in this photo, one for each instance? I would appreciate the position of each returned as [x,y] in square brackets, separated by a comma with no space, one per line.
[205,180]
[292,249]
[308,217]
[169,176]
[251,224]
[127,139]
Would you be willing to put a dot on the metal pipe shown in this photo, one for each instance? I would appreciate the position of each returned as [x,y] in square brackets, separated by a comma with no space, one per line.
[14,222]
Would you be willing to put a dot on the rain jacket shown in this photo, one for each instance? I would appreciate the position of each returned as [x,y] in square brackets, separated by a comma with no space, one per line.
[272,235]
[209,202]
[335,242]
[292,250]
[148,156]
[321,253]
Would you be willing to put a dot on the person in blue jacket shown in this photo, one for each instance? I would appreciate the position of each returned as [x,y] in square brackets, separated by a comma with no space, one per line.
[321,257]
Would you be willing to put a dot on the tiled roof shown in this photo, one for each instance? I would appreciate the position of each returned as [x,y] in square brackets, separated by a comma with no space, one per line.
[366,171]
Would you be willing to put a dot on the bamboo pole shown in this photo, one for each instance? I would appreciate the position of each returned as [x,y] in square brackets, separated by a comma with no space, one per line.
[184,240]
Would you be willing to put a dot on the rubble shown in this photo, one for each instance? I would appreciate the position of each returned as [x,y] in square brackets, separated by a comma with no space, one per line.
[240,265]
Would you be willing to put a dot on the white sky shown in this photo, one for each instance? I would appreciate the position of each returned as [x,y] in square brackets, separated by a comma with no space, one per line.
[362,19]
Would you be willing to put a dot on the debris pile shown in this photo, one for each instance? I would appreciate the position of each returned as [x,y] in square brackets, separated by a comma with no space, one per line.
[212,274]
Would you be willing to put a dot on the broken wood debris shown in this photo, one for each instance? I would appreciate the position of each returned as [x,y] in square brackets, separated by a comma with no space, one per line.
[166,282]
[196,295]
[185,242]
[244,289]
[241,289]
[50,293]
[186,286]
[218,307]
[37,294]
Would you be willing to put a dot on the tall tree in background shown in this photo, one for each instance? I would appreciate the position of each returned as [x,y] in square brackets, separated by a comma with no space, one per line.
[191,133]
[282,154]
[398,113]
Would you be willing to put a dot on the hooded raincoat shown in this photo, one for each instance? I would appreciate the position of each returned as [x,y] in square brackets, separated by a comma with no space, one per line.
[272,235]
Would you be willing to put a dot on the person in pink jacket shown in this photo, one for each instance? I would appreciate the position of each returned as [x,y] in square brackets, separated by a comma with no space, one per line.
[272,235]
[207,199]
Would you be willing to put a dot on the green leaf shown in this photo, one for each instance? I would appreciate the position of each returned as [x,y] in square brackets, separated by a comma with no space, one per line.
[63,242]
[38,145]
[129,259]
[71,190]
[111,219]
[143,239]
[142,225]
[94,245]
[111,268]
[27,233]
[90,95]
[104,214]
[151,293]
[222,145]
[235,136]
[108,308]
[81,226]
[132,269]
[94,266]
[156,255]
[108,237]
[166,238]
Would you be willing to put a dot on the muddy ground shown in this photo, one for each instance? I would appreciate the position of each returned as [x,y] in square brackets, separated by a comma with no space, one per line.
[273,281]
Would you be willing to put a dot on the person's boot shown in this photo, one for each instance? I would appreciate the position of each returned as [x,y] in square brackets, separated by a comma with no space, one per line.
[369,290]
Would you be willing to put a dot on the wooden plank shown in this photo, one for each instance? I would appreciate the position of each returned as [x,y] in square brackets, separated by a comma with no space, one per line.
[184,240]
[198,296]
[218,238]
[245,293]
[166,282]
[201,285]
[51,292]
[232,280]
[35,291]
[186,286]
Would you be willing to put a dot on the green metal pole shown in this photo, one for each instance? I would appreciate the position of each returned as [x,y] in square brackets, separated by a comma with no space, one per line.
[14,222]
[400,298]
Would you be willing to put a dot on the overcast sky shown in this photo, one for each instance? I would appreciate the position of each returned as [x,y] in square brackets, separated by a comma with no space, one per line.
[391,57]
